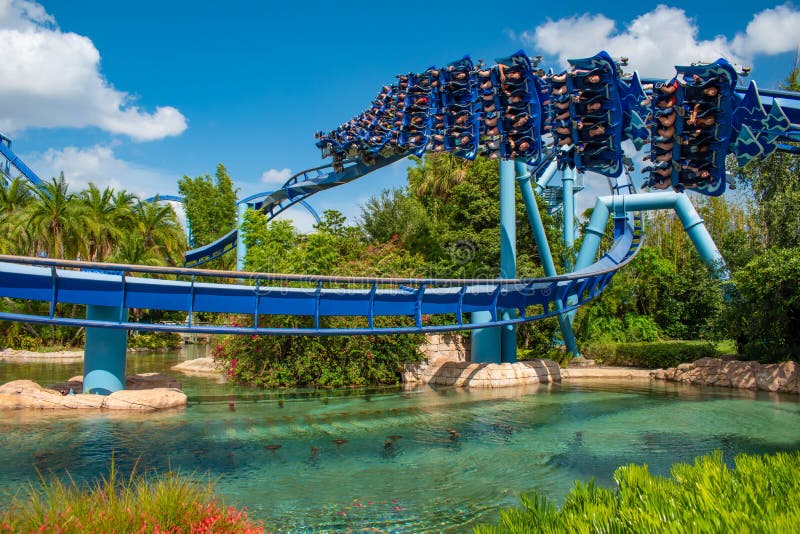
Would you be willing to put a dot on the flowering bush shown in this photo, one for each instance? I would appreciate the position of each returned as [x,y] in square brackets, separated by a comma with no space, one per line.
[164,504]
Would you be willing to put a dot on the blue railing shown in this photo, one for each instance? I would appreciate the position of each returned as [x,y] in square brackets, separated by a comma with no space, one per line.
[255,295]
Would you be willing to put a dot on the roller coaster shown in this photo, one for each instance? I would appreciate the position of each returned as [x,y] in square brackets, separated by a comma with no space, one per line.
[538,124]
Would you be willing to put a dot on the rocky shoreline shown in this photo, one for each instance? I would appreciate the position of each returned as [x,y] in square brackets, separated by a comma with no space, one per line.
[776,377]
[143,392]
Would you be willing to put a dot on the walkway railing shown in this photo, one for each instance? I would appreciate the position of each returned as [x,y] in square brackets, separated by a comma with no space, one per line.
[385,305]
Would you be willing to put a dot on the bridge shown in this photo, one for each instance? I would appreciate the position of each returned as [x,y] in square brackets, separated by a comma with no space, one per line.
[539,125]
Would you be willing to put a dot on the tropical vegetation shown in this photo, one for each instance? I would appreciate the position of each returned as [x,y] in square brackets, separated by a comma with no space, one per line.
[161,503]
[100,225]
[758,495]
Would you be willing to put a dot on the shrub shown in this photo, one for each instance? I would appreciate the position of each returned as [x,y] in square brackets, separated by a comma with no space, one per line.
[764,317]
[759,495]
[651,355]
[164,504]
[154,340]
[335,361]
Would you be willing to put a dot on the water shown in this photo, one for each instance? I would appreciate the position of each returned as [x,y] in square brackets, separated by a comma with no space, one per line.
[421,460]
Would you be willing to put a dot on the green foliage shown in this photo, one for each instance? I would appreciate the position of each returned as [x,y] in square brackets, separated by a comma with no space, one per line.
[161,503]
[154,340]
[650,355]
[759,495]
[398,216]
[210,209]
[765,317]
[336,361]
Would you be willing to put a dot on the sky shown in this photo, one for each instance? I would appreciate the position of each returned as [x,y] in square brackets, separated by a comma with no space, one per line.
[136,95]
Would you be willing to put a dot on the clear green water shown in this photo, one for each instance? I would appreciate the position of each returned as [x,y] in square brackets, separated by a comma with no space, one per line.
[401,468]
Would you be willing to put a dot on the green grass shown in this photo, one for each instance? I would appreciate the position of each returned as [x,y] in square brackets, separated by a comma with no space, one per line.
[759,495]
[168,503]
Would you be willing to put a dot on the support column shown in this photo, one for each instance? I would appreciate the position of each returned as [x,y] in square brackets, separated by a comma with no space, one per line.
[568,196]
[540,237]
[241,247]
[493,345]
[105,353]
[508,254]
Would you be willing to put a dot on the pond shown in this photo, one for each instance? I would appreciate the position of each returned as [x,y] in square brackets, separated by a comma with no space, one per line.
[398,460]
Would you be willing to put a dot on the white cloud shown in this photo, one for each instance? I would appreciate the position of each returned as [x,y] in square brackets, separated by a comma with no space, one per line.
[50,78]
[99,165]
[772,31]
[276,176]
[658,40]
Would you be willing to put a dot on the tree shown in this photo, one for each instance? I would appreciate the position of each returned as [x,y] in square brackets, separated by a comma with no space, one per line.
[159,229]
[57,220]
[103,216]
[765,317]
[792,81]
[15,199]
[210,205]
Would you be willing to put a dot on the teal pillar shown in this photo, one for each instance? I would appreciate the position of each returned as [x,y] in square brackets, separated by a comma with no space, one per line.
[508,254]
[104,353]
[568,195]
[499,344]
[540,237]
[693,224]
[241,246]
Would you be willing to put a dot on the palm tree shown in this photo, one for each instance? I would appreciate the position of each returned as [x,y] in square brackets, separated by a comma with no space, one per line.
[15,198]
[436,175]
[102,214]
[159,228]
[57,220]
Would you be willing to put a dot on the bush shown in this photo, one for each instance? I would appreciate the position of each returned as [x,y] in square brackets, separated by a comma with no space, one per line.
[154,340]
[169,503]
[335,361]
[759,495]
[764,318]
[651,355]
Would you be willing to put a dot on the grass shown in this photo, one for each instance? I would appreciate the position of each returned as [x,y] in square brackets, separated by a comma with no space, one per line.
[168,503]
[759,495]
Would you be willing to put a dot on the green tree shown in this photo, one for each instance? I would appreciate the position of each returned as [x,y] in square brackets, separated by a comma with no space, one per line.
[159,229]
[57,220]
[103,216]
[15,200]
[397,216]
[210,205]
[765,316]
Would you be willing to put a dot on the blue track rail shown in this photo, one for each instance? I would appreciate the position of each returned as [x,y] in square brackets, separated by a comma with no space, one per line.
[255,295]
[12,160]
[296,189]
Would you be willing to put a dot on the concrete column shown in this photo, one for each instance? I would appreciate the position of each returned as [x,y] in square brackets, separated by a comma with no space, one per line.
[105,353]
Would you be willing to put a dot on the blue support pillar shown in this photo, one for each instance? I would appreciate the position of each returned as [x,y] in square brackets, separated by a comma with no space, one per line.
[619,205]
[540,237]
[241,247]
[568,196]
[508,254]
[104,353]
[493,345]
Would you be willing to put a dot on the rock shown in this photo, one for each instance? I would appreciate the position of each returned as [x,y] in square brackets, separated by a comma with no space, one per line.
[145,399]
[26,394]
[201,366]
[62,356]
[783,377]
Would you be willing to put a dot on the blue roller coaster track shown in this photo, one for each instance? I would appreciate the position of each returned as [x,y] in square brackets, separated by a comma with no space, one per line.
[510,111]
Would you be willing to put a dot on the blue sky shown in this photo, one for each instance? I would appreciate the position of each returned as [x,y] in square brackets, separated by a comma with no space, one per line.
[138,94]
